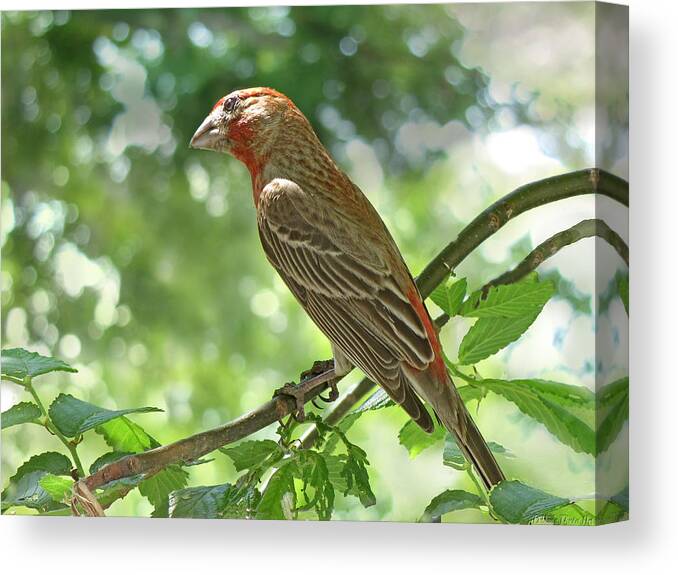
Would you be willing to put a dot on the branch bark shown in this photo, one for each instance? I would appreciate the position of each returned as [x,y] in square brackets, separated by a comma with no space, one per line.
[483,226]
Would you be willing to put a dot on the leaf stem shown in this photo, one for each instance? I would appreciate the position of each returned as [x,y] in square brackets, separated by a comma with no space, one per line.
[27,382]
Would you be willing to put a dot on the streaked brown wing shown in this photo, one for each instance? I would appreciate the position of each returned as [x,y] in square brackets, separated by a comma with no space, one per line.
[347,289]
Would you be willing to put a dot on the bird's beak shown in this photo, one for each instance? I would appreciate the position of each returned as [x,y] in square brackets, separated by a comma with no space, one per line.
[206,136]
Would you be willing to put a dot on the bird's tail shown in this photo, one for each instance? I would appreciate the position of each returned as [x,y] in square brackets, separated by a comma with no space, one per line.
[454,416]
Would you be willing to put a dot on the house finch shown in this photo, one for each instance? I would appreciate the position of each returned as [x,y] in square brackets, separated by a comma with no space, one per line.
[335,254]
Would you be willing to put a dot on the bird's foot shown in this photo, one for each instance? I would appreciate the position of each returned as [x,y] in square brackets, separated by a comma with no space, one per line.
[296,392]
[320,366]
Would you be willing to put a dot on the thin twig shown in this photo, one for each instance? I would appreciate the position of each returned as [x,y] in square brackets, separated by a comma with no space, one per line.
[491,220]
[548,248]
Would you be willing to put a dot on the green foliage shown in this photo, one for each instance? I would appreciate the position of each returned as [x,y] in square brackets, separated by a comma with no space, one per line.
[24,488]
[561,408]
[415,439]
[453,457]
[73,416]
[58,488]
[526,297]
[516,502]
[505,312]
[199,502]
[121,434]
[448,501]
[612,405]
[489,335]
[24,412]
[157,488]
[279,499]
[449,295]
[19,364]
[249,454]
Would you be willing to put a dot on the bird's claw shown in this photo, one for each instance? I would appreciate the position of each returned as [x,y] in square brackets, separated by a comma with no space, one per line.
[299,395]
[333,395]
[320,366]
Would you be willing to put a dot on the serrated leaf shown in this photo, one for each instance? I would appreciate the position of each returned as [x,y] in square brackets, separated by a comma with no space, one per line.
[249,454]
[552,404]
[623,285]
[612,404]
[343,426]
[73,416]
[450,500]
[453,457]
[198,502]
[158,487]
[317,491]
[122,434]
[20,363]
[24,412]
[24,486]
[516,502]
[58,488]
[448,296]
[278,500]
[490,334]
[509,301]
[415,439]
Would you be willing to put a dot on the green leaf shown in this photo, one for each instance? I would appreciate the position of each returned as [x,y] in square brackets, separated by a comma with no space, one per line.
[24,412]
[524,298]
[158,487]
[516,502]
[415,439]
[19,363]
[73,416]
[612,403]
[58,488]
[317,491]
[450,500]
[453,457]
[278,500]
[24,486]
[623,285]
[448,296]
[555,405]
[198,502]
[121,434]
[611,512]
[249,454]
[490,334]
[570,514]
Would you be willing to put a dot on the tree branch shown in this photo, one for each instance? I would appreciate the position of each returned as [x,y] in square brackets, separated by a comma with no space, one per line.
[507,208]
[548,248]
[483,226]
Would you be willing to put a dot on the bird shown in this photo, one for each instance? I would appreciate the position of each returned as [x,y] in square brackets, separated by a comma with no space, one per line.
[335,254]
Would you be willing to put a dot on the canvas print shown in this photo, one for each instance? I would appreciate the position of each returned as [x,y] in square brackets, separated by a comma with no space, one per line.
[316,263]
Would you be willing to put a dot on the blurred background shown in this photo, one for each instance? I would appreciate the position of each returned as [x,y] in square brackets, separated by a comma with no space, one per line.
[137,259]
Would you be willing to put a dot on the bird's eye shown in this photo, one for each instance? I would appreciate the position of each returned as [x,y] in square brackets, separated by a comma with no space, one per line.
[229,103]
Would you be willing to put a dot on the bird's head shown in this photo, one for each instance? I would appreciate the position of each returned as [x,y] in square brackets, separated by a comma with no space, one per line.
[245,123]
